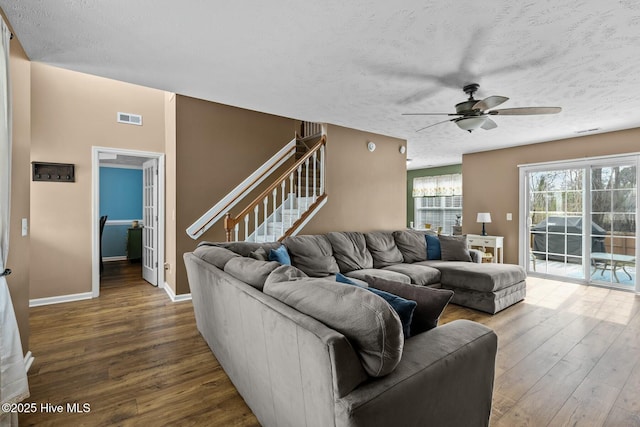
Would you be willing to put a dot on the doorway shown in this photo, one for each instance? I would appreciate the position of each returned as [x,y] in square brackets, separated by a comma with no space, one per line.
[145,243]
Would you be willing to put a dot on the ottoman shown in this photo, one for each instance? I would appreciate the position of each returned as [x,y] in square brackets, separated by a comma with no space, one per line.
[485,287]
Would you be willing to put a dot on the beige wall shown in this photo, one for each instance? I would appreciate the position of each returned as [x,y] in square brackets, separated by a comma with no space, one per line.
[490,178]
[20,69]
[70,113]
[217,147]
[366,190]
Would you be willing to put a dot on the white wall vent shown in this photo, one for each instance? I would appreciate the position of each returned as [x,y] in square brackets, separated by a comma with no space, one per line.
[132,119]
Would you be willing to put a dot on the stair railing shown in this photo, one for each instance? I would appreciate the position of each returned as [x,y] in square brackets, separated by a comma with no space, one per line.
[218,211]
[300,189]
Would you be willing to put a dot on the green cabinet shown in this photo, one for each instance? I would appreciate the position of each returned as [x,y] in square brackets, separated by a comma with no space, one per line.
[134,244]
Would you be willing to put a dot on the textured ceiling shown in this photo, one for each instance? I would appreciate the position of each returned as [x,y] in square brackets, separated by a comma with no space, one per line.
[362,63]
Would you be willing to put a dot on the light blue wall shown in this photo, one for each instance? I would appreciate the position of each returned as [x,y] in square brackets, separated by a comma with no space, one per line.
[121,193]
[120,199]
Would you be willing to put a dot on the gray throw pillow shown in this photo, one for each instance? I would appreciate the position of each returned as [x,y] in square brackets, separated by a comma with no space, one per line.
[371,325]
[260,254]
[431,302]
[312,254]
[250,271]
[454,248]
[350,251]
[285,273]
[383,249]
[412,244]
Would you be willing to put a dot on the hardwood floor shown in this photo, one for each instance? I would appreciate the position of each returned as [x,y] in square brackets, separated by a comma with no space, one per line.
[568,355]
[133,355]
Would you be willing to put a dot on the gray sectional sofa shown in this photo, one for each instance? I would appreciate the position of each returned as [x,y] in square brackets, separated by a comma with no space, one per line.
[302,349]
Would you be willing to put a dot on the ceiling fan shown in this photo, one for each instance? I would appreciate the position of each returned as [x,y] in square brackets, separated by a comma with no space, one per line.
[472,114]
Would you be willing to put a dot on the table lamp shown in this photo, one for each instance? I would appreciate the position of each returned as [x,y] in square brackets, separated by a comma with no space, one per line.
[483,217]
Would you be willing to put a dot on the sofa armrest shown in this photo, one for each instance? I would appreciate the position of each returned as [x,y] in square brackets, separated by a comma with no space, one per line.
[445,376]
[476,255]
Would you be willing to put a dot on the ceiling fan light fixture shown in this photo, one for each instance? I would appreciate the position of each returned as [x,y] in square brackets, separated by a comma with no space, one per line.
[471,123]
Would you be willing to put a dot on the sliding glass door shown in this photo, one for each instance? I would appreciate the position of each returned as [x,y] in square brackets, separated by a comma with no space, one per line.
[579,220]
[556,222]
[613,219]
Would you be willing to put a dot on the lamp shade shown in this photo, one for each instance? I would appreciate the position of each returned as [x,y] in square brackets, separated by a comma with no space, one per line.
[471,123]
[483,217]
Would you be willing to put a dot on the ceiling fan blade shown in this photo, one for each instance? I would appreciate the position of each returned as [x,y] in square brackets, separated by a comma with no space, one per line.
[489,124]
[431,114]
[490,102]
[524,111]
[426,127]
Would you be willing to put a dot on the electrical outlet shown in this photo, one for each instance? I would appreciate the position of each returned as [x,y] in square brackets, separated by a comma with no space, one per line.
[25,227]
[509,217]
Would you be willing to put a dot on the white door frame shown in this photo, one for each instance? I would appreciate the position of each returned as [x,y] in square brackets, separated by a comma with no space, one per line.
[95,211]
[587,163]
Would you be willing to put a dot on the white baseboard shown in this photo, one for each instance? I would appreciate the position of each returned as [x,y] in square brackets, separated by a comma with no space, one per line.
[114,258]
[59,299]
[28,360]
[173,296]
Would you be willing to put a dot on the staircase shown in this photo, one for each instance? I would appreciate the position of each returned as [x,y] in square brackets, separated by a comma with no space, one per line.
[286,205]
[289,202]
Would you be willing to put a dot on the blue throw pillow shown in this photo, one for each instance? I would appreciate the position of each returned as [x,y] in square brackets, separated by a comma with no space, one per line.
[403,307]
[433,247]
[281,255]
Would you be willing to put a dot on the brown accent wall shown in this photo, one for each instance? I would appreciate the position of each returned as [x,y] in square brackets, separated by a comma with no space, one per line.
[491,178]
[20,70]
[217,147]
[366,190]
[70,113]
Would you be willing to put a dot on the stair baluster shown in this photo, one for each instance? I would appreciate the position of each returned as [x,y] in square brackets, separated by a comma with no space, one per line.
[322,170]
[299,189]
[315,175]
[306,184]
[282,191]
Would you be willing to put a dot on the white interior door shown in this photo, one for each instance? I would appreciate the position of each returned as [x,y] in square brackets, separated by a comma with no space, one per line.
[150,218]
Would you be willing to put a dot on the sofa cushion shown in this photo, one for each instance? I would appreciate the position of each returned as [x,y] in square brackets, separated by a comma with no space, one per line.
[433,247]
[350,251]
[402,306]
[430,302]
[454,248]
[285,273]
[215,255]
[280,255]
[250,270]
[376,272]
[312,254]
[419,274]
[487,277]
[371,325]
[383,249]
[412,245]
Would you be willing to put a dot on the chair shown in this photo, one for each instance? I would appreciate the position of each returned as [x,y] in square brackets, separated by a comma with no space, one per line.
[103,220]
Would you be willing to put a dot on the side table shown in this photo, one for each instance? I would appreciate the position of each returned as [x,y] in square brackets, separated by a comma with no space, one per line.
[476,241]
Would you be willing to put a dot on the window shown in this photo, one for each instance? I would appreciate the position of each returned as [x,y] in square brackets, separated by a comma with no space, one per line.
[438,201]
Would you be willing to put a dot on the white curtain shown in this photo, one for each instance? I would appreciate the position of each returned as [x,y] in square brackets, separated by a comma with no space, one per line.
[440,185]
[13,377]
